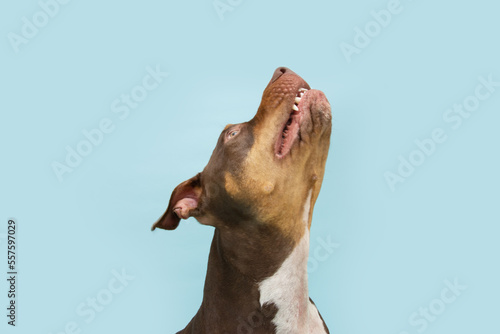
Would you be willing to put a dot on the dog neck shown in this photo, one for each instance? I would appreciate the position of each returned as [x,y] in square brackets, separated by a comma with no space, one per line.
[258,285]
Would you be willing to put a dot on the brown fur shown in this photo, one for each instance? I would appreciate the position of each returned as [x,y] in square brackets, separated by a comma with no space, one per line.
[254,199]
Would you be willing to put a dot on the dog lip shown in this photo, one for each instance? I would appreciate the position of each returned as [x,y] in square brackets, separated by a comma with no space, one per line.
[290,131]
[310,111]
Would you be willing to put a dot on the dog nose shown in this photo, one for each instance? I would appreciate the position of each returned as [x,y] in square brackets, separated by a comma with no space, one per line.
[279,72]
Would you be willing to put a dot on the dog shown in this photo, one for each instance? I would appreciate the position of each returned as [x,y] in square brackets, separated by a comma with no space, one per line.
[258,190]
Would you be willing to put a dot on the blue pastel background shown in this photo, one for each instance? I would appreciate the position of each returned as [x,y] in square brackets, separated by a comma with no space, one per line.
[395,249]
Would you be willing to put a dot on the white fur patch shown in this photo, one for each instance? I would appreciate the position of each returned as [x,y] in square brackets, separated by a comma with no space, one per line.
[287,289]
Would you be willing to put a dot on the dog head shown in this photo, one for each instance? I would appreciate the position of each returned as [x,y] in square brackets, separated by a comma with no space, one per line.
[262,171]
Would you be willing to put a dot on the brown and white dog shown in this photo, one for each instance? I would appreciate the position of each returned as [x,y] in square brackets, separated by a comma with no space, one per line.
[258,190]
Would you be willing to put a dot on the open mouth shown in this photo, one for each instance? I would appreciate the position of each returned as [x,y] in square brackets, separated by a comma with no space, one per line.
[291,129]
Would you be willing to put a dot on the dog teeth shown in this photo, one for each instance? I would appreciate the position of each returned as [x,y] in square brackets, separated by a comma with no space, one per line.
[301,93]
[298,98]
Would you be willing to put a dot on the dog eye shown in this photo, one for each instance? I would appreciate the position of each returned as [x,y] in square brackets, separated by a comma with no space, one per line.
[232,133]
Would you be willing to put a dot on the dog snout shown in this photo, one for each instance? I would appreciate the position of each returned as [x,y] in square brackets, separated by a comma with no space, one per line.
[279,72]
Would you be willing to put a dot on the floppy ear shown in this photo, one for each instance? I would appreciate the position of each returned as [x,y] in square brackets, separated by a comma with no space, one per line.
[184,200]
